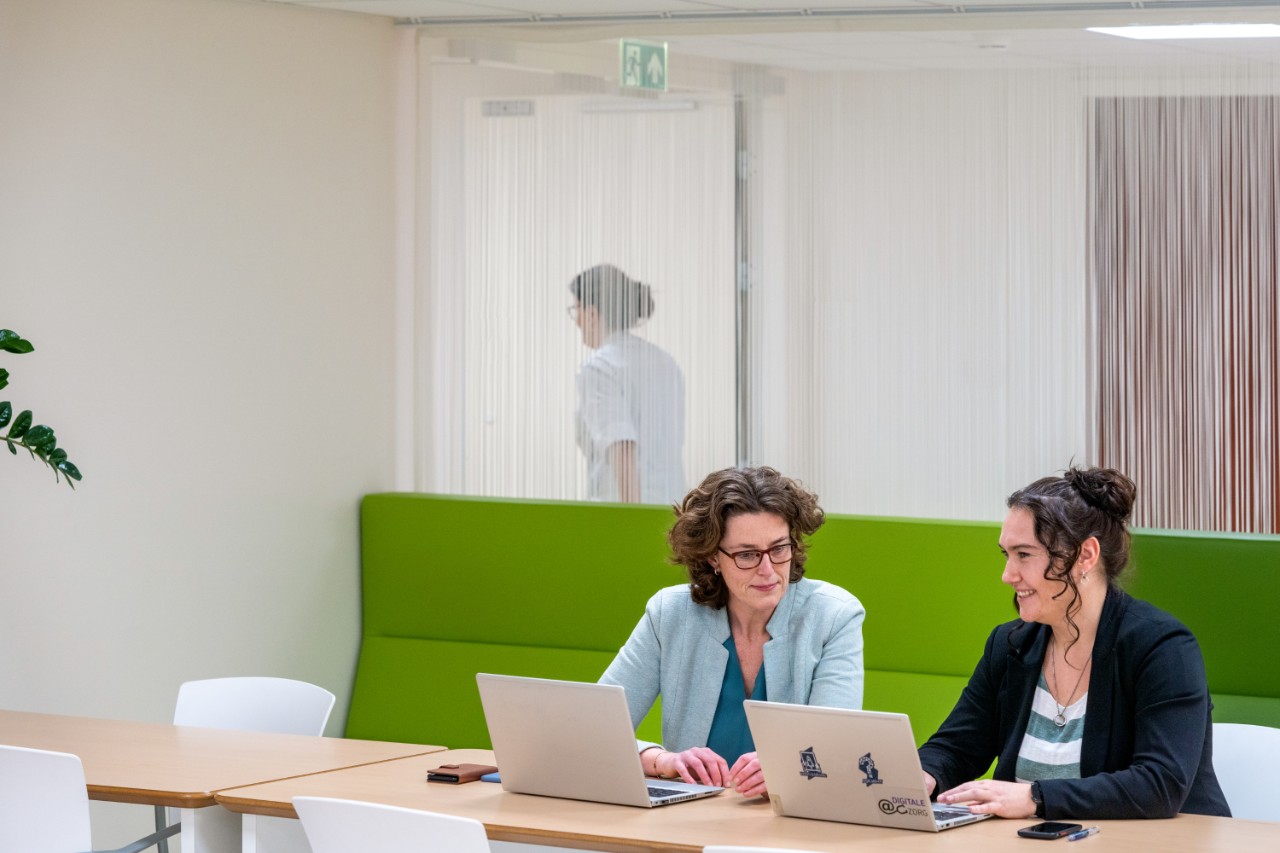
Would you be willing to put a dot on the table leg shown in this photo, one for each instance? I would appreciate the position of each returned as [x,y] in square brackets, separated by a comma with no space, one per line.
[248,833]
[210,830]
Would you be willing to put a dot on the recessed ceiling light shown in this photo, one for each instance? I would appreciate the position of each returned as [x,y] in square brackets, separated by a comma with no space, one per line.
[1194,31]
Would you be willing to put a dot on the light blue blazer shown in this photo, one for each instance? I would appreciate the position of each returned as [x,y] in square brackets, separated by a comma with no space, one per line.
[814,657]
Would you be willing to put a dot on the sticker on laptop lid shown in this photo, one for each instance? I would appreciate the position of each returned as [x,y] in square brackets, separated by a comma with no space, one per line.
[868,767]
[809,766]
[904,804]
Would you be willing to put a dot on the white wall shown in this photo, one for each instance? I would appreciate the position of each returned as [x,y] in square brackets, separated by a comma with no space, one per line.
[196,231]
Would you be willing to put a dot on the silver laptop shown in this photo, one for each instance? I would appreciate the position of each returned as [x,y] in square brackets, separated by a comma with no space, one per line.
[573,740]
[848,766]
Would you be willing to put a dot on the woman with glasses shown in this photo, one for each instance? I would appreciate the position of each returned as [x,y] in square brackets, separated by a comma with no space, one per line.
[630,419]
[1093,704]
[747,625]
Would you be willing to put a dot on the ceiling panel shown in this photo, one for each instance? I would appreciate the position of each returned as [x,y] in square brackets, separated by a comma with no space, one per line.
[398,8]
[775,5]
[948,8]
[591,7]
[929,37]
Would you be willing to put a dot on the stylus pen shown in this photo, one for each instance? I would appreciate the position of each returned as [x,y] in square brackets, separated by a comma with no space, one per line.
[1083,833]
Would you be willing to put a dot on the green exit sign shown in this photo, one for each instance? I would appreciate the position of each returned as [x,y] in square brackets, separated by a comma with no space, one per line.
[644,65]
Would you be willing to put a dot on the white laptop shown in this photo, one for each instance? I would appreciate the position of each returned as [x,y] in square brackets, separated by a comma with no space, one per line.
[848,766]
[573,740]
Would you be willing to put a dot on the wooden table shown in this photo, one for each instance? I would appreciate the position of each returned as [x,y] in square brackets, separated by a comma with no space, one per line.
[182,766]
[688,827]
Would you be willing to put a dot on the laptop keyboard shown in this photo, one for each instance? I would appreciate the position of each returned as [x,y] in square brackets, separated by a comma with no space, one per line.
[941,813]
[658,791]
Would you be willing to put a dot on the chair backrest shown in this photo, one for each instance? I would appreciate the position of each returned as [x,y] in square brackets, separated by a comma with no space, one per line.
[44,804]
[350,826]
[1245,759]
[257,704]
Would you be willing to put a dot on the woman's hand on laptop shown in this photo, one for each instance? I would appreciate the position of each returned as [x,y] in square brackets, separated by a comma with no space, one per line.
[987,796]
[699,765]
[746,777]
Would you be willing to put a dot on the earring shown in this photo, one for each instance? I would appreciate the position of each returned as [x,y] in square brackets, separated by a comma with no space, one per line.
[1084,576]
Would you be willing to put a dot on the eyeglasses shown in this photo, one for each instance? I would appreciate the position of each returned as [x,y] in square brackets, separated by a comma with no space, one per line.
[778,555]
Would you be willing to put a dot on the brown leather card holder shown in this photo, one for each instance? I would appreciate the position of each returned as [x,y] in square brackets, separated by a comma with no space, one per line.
[456,774]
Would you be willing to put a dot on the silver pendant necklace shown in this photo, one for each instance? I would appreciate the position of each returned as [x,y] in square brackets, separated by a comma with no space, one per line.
[1060,719]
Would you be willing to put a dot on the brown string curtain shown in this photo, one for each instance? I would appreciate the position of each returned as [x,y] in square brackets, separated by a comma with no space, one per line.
[1187,348]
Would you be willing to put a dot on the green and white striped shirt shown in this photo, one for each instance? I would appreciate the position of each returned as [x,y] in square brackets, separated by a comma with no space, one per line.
[1047,751]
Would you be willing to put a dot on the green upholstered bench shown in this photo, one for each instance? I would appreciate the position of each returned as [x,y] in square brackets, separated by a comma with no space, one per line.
[454,586]
[1226,589]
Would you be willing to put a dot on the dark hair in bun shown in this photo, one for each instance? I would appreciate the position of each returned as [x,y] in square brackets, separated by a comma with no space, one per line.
[1104,489]
[1083,502]
[621,301]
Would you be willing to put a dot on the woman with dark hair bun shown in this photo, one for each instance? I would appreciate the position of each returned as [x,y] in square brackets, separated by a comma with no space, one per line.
[748,615]
[630,420]
[1093,704]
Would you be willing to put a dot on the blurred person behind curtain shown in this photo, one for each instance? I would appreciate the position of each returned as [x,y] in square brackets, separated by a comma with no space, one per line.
[631,399]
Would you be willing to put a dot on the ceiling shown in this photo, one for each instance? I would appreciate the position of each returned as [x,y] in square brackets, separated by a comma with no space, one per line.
[836,35]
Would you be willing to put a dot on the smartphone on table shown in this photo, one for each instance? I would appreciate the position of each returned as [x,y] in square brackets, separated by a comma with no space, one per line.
[1049,829]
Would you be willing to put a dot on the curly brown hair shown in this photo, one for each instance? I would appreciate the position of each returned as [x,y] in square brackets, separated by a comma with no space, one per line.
[703,514]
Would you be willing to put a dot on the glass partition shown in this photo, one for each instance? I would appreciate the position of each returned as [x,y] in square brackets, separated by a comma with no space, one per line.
[905,267]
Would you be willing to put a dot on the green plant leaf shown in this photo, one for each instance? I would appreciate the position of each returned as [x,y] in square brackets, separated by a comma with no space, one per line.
[39,440]
[21,424]
[11,341]
[41,437]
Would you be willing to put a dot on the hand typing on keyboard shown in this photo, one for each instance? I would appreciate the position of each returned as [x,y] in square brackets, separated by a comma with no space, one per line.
[989,796]
[698,765]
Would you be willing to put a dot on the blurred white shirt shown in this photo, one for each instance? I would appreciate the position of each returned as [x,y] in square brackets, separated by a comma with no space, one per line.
[632,390]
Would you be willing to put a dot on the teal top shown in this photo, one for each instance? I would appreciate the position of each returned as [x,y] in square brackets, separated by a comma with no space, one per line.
[730,736]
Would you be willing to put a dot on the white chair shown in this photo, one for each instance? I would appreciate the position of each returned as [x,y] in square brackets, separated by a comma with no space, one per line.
[251,704]
[350,826]
[1245,760]
[44,804]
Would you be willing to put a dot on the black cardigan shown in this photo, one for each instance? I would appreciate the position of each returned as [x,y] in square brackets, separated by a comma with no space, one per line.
[1148,730]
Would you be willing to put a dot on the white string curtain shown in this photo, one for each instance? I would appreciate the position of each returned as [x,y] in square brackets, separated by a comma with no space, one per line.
[930,278]
[922,268]
[537,176]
